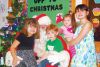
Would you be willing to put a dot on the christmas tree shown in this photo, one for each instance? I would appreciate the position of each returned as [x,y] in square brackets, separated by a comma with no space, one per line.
[15,23]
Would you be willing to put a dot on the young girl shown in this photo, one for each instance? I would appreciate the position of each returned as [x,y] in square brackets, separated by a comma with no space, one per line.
[84,40]
[24,42]
[68,30]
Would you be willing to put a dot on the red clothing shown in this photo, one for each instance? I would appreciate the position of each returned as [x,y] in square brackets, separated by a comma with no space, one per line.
[65,45]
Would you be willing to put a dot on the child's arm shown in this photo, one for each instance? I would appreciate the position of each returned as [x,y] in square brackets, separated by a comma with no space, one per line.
[60,31]
[13,51]
[68,38]
[85,30]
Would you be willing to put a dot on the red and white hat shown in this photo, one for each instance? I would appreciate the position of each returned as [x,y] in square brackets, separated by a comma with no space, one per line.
[43,19]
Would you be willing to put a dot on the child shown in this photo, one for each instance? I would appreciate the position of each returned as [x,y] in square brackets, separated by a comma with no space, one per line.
[54,53]
[84,40]
[68,30]
[25,43]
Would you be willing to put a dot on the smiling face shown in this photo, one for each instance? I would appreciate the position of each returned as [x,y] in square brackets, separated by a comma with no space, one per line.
[82,11]
[67,21]
[81,14]
[31,29]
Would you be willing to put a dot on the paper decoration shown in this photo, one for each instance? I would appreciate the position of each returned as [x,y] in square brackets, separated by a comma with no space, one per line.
[3,7]
[96,11]
[97,1]
[96,22]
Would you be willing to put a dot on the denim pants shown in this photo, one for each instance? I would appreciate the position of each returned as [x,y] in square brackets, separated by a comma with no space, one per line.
[44,62]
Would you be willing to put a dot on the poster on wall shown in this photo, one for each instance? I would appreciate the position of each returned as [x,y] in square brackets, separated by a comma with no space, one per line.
[3,8]
[55,9]
[3,12]
[95,15]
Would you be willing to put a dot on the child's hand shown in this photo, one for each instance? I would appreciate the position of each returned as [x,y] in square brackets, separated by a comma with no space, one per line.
[68,38]
[60,31]
[15,60]
[38,61]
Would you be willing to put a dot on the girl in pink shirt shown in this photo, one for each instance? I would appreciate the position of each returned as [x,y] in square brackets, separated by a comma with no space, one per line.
[68,30]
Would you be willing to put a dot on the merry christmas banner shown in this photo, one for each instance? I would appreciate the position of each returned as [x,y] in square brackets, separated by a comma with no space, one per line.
[55,9]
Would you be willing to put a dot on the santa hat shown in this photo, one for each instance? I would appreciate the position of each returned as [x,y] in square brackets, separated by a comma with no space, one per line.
[43,19]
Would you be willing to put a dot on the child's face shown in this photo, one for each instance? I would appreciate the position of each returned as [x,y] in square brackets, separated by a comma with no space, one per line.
[51,34]
[67,21]
[31,29]
[81,14]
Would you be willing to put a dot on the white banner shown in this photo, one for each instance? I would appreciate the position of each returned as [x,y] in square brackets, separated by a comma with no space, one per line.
[3,12]
[3,7]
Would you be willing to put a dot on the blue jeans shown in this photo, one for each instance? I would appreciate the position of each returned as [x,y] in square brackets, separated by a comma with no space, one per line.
[44,62]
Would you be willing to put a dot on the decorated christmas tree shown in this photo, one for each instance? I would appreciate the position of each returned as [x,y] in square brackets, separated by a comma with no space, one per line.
[15,19]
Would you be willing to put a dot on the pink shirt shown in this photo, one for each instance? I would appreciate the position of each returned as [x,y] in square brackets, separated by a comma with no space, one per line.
[67,31]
